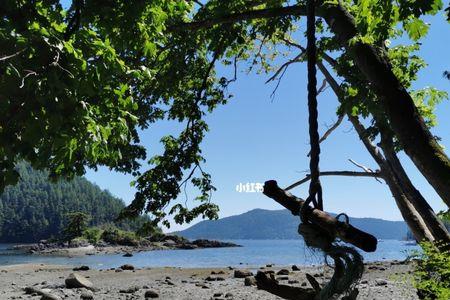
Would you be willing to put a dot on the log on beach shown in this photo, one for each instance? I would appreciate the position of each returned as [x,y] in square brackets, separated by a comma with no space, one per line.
[345,232]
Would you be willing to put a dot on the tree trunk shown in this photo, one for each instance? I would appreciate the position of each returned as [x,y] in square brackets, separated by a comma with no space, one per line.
[408,125]
[419,216]
[434,224]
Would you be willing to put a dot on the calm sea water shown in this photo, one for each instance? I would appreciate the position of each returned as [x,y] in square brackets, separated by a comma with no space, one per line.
[253,253]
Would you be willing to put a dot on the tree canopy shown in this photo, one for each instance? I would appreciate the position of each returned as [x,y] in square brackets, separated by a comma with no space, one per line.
[77,85]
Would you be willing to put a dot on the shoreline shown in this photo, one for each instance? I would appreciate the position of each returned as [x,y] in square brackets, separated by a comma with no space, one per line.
[381,280]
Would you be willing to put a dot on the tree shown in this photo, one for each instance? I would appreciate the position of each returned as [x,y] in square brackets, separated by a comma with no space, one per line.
[77,223]
[147,61]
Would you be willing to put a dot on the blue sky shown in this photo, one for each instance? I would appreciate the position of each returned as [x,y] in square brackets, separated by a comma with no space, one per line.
[254,139]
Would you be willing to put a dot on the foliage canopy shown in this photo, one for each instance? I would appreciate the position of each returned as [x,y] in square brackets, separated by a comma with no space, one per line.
[78,85]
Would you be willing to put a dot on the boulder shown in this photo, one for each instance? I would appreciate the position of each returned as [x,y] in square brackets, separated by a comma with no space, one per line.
[242,273]
[32,290]
[127,267]
[77,281]
[283,272]
[151,294]
[82,268]
[128,254]
[295,268]
[249,281]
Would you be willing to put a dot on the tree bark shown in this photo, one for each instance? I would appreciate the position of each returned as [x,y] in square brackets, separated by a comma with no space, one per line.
[409,127]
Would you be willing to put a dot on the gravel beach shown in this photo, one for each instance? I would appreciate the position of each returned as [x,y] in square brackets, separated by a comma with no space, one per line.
[381,280]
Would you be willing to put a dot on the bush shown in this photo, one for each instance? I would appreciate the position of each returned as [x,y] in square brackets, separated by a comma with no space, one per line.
[115,236]
[92,234]
[432,274]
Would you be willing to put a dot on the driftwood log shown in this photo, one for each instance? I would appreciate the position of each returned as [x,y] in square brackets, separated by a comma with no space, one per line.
[345,232]
[269,283]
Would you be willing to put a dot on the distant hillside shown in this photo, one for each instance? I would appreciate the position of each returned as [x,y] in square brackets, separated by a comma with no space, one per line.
[36,209]
[281,224]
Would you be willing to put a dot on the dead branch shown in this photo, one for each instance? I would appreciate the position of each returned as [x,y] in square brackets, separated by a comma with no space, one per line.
[285,66]
[330,130]
[366,169]
[336,173]
[334,227]
[11,56]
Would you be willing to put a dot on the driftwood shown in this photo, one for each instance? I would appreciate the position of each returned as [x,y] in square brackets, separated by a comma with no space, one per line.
[334,227]
[270,284]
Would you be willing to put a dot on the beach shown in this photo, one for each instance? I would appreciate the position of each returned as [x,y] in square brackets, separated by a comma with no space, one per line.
[381,280]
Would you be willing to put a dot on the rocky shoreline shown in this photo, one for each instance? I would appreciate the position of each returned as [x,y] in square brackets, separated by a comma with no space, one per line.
[168,242]
[381,280]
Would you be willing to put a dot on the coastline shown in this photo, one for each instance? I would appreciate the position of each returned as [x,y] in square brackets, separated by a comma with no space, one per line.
[381,280]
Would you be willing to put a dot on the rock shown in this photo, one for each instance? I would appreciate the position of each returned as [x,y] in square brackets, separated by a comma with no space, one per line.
[127,267]
[380,282]
[283,272]
[295,268]
[269,266]
[32,290]
[118,270]
[48,296]
[242,273]
[214,278]
[213,244]
[77,281]
[304,284]
[293,281]
[169,282]
[364,281]
[283,277]
[82,268]
[217,295]
[87,295]
[128,254]
[129,290]
[151,294]
[249,281]
[229,295]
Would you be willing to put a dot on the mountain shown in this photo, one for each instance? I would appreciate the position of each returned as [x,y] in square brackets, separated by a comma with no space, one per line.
[36,209]
[280,224]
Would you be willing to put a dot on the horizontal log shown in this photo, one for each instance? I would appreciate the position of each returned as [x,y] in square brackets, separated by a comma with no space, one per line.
[336,228]
[271,285]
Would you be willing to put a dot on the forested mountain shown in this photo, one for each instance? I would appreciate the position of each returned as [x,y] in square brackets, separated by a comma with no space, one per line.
[281,224]
[37,209]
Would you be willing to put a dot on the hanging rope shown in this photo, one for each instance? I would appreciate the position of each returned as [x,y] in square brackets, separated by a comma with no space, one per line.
[348,263]
[315,188]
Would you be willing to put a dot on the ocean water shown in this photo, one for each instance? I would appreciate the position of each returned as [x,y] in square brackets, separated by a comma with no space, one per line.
[254,253]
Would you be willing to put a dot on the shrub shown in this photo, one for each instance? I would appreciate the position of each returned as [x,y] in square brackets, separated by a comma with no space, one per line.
[92,234]
[432,274]
[115,236]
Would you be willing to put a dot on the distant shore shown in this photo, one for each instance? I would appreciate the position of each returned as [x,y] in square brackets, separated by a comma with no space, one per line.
[66,249]
[381,280]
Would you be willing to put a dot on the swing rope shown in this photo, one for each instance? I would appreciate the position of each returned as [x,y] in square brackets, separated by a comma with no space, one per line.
[348,263]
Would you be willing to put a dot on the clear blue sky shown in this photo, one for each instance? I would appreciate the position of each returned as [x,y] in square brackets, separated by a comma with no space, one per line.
[253,139]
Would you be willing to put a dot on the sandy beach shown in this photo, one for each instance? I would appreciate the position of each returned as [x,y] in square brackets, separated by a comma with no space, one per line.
[382,280]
